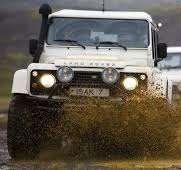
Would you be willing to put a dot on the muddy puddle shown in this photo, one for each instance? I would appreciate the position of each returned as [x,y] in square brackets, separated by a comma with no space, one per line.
[142,132]
[7,164]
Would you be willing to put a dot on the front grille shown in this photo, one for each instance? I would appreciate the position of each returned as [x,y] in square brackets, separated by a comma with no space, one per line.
[88,79]
[83,79]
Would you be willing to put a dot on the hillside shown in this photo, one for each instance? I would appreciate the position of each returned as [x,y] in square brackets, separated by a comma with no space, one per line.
[20,21]
[114,4]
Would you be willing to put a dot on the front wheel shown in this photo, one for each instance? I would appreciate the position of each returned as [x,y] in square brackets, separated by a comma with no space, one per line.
[27,126]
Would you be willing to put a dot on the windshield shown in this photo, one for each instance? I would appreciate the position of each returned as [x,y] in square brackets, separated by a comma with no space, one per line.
[89,32]
[172,61]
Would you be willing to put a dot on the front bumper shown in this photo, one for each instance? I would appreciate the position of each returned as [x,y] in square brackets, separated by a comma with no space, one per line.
[69,100]
[45,103]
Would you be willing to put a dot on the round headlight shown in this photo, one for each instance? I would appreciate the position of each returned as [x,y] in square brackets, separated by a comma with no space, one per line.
[130,83]
[65,74]
[47,80]
[110,75]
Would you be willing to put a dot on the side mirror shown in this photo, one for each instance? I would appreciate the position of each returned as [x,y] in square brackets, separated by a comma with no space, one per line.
[162,51]
[33,46]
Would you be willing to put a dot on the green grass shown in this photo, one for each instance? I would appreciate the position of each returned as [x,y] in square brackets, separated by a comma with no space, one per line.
[34,15]
[114,165]
[3,120]
[4,104]
[141,164]
[6,77]
[120,165]
[16,57]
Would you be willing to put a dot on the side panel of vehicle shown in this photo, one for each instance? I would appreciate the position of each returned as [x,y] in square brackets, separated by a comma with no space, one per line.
[159,85]
[20,82]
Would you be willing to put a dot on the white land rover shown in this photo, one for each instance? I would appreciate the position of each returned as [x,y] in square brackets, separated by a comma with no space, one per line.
[82,54]
[171,67]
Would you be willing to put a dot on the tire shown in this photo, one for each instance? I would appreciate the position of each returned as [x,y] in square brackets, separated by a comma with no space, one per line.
[27,127]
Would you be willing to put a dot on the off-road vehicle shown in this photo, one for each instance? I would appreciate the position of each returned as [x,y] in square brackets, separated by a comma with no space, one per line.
[82,54]
[171,67]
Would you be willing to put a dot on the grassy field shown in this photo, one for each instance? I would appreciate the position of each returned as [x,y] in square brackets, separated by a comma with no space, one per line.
[141,164]
[134,164]
[6,78]
[113,165]
[4,103]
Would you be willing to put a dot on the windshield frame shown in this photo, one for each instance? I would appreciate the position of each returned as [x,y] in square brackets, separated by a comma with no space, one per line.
[94,45]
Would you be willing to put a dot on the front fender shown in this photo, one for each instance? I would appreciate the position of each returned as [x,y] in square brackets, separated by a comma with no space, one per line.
[20,82]
[160,85]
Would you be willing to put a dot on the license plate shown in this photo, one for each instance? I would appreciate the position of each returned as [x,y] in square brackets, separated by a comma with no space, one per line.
[96,92]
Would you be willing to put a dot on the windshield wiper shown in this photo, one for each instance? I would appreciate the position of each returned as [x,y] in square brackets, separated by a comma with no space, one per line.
[72,42]
[111,43]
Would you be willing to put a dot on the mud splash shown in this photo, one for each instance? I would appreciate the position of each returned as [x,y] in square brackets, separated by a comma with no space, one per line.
[140,128]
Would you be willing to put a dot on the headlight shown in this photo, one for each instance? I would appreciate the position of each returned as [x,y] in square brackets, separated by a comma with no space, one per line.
[47,80]
[65,74]
[130,83]
[110,75]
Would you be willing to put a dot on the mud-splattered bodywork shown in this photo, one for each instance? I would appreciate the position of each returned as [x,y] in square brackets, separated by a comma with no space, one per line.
[88,63]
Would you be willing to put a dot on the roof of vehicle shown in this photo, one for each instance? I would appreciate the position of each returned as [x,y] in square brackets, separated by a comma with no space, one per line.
[174,49]
[101,14]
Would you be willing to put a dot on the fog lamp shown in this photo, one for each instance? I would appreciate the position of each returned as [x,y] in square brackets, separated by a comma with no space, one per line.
[130,83]
[65,74]
[47,80]
[110,75]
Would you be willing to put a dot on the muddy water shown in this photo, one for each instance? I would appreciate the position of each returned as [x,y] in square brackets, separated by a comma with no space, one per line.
[7,164]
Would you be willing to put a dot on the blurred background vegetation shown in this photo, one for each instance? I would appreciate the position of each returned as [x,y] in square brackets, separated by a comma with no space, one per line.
[19,21]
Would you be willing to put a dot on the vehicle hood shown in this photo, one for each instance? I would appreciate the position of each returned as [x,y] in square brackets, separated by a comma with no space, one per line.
[173,74]
[77,57]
